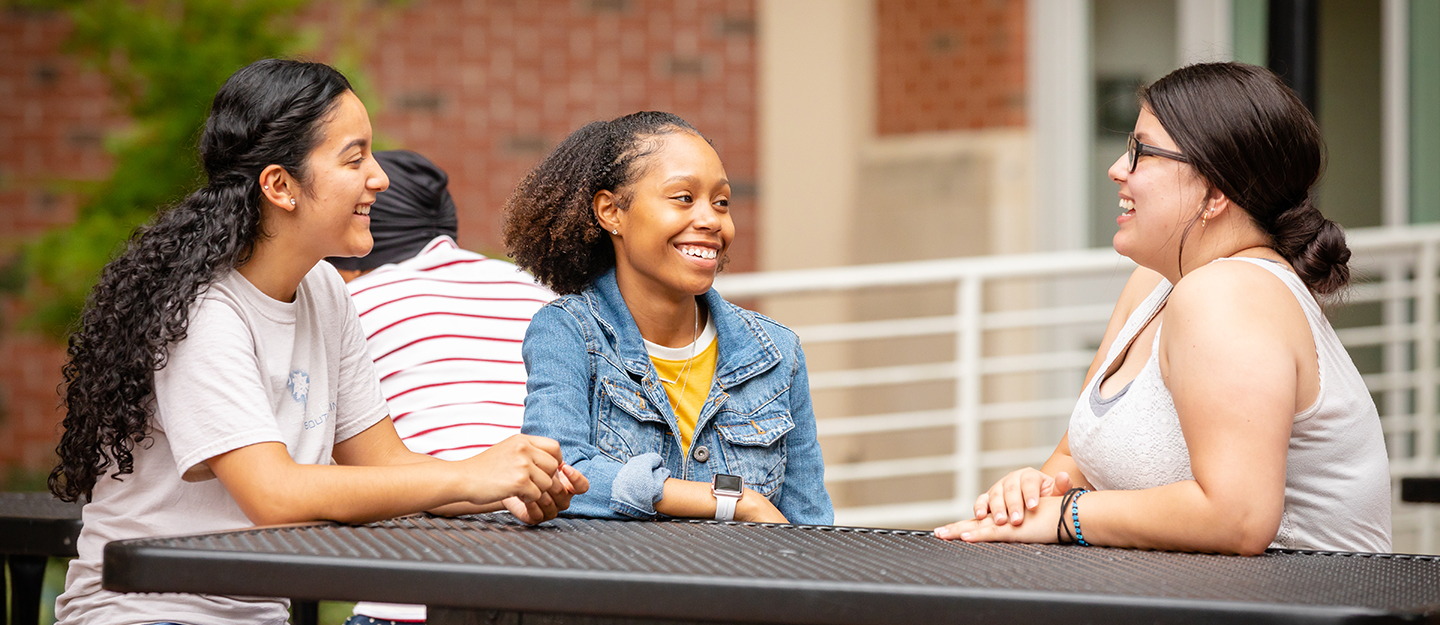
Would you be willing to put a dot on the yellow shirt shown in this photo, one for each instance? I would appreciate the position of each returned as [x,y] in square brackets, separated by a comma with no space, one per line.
[695,382]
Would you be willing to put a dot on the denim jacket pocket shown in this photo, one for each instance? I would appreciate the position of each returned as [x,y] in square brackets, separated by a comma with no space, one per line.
[755,446]
[628,426]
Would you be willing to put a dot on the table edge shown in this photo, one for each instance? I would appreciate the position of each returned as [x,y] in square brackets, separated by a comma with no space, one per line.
[510,588]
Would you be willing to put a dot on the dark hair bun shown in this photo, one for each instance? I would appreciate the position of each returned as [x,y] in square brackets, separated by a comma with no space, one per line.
[1315,247]
[1248,134]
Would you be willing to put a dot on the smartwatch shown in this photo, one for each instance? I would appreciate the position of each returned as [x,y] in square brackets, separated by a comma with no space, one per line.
[727,490]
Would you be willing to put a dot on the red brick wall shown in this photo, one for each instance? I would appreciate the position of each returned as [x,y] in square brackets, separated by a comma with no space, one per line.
[950,65]
[29,405]
[485,89]
[53,120]
[482,88]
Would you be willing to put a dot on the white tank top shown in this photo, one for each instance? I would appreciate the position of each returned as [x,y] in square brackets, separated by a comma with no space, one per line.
[1337,475]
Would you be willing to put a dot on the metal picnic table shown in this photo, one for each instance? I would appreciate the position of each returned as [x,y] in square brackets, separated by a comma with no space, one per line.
[33,528]
[492,569]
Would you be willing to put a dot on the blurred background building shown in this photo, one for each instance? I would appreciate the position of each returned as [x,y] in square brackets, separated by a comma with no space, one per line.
[956,149]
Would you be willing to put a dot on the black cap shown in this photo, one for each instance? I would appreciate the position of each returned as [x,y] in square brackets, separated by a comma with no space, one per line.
[413,211]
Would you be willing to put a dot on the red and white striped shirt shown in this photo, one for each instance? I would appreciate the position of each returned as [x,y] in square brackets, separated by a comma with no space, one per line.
[445,329]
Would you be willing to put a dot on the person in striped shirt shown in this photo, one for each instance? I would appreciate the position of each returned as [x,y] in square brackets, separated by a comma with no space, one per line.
[444,326]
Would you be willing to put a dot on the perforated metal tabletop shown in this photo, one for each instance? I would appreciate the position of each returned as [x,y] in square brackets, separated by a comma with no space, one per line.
[697,571]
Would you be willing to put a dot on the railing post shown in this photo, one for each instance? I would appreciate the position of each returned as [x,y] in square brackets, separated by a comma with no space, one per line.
[968,308]
[1425,319]
[1394,352]
[1425,374]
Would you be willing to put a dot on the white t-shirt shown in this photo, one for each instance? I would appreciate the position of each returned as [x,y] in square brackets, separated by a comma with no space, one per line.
[250,370]
[445,329]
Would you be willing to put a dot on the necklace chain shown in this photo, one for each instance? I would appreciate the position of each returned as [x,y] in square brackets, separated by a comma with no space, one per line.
[694,338]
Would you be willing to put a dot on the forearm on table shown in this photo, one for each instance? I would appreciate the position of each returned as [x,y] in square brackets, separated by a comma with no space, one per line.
[450,509]
[1179,517]
[687,499]
[464,507]
[379,453]
[271,488]
[695,500]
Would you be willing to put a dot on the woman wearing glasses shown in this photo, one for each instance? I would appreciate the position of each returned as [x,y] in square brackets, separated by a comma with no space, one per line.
[1221,413]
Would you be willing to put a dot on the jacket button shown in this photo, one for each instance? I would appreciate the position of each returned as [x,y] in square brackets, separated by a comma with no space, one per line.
[701,454]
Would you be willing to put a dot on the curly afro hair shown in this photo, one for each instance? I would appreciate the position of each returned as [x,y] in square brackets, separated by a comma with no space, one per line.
[550,225]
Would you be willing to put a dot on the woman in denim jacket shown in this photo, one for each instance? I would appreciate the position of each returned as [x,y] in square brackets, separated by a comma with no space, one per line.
[651,382]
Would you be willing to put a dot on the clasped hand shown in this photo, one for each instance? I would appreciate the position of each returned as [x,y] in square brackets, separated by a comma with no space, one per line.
[1023,506]
[527,474]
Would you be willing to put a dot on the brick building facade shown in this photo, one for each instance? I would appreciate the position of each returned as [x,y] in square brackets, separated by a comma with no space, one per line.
[53,121]
[946,65]
[485,89]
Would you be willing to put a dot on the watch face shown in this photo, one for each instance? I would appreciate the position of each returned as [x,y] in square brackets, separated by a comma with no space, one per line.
[728,484]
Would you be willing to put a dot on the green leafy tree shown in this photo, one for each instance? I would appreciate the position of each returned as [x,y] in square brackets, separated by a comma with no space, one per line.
[165,60]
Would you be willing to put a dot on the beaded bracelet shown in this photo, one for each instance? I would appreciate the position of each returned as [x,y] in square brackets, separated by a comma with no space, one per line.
[1075,516]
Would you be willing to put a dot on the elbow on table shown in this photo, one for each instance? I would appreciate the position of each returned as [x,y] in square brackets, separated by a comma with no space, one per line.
[274,512]
[1251,537]
[277,505]
[265,506]
[1252,546]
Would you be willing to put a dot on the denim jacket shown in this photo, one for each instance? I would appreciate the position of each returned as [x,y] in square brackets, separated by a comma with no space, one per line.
[593,388]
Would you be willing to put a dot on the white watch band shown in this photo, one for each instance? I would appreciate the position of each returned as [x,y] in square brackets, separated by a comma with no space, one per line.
[725,507]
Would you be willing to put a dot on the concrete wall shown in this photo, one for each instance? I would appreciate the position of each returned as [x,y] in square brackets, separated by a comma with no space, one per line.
[889,132]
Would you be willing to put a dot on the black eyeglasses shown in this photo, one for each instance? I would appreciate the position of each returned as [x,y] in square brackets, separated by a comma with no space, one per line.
[1138,149]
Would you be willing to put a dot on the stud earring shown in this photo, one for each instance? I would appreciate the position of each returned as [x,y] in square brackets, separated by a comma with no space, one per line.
[292,201]
[266,187]
[616,231]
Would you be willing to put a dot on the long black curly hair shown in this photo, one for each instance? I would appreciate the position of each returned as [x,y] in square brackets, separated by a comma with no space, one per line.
[550,225]
[269,112]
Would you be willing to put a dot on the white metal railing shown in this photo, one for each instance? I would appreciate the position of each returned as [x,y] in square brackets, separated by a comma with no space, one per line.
[1387,320]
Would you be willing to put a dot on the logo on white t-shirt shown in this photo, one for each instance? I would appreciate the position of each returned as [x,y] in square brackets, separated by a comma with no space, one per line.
[299,385]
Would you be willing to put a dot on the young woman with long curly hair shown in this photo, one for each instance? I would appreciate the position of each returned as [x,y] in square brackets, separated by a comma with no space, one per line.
[219,365]
[673,401]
